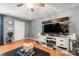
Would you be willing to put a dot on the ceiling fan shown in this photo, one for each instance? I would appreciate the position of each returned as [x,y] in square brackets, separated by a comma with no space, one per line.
[31,5]
[35,4]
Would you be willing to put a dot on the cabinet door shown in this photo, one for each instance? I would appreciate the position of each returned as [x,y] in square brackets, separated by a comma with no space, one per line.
[1,29]
[62,42]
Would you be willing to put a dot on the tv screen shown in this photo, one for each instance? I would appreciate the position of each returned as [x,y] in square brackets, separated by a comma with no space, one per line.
[52,28]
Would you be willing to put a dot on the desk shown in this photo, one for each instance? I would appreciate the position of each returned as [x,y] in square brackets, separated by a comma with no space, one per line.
[14,45]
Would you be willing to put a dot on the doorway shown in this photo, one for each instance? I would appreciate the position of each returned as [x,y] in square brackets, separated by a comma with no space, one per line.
[19,30]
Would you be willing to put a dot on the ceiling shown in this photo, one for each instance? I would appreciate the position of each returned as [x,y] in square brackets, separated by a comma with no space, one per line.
[25,13]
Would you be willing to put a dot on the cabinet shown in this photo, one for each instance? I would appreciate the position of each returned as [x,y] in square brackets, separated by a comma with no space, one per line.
[1,29]
[61,42]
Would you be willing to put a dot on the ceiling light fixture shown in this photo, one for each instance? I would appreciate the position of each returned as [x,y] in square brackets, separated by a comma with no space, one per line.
[31,6]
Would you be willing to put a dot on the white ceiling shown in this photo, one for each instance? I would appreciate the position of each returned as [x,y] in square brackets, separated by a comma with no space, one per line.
[25,13]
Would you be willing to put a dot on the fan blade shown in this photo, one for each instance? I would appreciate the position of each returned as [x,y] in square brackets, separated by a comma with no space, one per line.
[40,4]
[21,4]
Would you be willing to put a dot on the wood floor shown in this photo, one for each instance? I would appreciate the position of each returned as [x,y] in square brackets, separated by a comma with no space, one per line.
[14,45]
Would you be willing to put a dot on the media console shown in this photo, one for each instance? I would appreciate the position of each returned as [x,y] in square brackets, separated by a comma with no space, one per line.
[59,42]
[57,30]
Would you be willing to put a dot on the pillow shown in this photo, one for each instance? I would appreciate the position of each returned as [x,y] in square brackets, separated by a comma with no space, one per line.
[28,46]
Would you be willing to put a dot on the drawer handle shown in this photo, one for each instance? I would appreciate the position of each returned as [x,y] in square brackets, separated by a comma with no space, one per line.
[61,40]
[61,44]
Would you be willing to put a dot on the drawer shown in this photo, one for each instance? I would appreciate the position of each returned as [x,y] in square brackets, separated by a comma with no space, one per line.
[62,45]
[62,40]
[53,39]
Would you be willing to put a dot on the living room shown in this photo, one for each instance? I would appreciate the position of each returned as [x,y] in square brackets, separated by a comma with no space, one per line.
[22,23]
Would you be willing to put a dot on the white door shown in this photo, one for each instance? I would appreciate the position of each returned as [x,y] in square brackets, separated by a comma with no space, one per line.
[19,30]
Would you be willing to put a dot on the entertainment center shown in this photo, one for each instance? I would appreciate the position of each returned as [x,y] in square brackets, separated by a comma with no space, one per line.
[60,42]
[57,33]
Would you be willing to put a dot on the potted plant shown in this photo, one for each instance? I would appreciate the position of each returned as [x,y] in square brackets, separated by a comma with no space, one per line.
[10,36]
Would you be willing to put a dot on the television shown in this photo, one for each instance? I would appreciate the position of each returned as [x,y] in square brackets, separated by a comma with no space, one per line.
[52,28]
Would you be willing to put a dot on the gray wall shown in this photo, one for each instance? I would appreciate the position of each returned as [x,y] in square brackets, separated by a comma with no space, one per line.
[26,29]
[36,25]
[30,29]
[7,25]
[73,13]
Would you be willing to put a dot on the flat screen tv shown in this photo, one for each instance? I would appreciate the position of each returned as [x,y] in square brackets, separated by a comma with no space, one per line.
[52,28]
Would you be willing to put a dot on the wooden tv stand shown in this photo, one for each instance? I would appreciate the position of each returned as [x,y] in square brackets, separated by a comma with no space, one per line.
[61,41]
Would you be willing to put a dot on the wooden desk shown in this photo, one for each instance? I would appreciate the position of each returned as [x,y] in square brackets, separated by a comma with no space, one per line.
[12,46]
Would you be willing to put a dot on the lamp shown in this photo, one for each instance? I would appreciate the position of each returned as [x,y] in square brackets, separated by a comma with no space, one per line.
[72,37]
[72,40]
